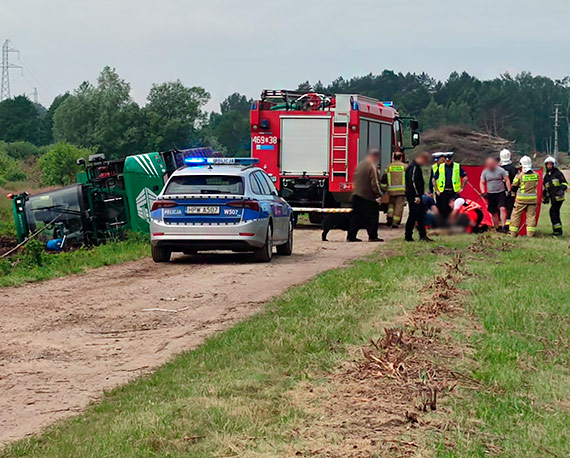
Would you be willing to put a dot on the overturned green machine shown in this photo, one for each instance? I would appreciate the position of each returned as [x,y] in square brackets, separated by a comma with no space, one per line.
[109,199]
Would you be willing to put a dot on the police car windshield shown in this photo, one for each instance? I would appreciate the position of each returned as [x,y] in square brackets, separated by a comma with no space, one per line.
[205,184]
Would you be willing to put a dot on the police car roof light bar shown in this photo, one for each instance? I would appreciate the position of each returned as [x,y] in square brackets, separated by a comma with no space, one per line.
[197,161]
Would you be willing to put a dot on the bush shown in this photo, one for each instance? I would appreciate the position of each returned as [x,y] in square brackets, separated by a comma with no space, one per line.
[7,227]
[35,254]
[58,165]
[20,150]
[10,169]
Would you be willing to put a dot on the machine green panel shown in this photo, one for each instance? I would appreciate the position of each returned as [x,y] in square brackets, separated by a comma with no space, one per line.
[144,179]
[82,177]
[18,208]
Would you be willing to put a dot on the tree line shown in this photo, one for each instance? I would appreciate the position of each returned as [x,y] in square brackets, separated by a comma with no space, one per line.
[518,108]
[103,117]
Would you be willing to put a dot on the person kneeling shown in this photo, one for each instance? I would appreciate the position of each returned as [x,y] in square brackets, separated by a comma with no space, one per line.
[467,215]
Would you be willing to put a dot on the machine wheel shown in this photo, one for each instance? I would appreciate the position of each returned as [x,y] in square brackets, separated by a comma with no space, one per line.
[315,218]
[264,253]
[287,248]
[160,254]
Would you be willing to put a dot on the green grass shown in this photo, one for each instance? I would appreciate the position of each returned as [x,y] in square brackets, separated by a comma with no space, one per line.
[522,299]
[231,397]
[36,265]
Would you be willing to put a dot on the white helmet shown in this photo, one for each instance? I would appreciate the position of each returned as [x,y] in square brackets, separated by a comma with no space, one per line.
[505,156]
[458,203]
[550,159]
[526,164]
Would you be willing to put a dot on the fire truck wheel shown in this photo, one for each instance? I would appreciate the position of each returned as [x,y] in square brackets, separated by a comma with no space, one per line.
[315,218]
[160,254]
[264,253]
[287,248]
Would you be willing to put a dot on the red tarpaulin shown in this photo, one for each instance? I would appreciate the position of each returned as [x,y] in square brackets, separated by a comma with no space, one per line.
[472,192]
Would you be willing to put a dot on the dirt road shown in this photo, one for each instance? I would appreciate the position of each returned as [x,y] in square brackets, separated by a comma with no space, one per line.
[64,341]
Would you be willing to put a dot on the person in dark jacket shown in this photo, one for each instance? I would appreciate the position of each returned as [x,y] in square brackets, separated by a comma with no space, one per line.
[366,199]
[554,187]
[415,187]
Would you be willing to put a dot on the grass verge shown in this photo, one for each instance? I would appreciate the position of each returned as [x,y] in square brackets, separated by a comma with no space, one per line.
[522,299]
[36,265]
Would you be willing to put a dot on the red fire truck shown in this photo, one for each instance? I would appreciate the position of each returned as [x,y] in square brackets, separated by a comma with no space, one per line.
[310,143]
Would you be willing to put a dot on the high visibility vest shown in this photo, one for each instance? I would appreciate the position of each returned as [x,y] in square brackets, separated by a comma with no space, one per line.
[455,178]
[528,188]
[396,178]
[434,167]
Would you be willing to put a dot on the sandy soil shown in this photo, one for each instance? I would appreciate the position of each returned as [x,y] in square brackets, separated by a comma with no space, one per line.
[65,341]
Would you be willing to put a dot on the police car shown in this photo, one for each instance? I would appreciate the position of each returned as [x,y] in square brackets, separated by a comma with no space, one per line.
[220,204]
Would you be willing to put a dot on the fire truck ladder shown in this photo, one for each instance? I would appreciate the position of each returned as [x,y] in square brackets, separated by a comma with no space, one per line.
[339,150]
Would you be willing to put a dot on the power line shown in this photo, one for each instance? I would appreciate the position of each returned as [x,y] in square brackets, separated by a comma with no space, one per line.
[36,75]
[6,66]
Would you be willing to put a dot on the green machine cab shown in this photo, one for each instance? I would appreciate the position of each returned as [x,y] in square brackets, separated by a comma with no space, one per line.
[109,199]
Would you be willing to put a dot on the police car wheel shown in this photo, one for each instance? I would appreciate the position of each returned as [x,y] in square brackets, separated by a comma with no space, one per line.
[264,253]
[160,254]
[287,248]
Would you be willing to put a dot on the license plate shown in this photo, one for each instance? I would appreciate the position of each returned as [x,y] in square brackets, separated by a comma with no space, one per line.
[196,210]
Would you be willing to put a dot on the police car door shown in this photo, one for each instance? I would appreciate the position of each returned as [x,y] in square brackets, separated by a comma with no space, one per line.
[278,207]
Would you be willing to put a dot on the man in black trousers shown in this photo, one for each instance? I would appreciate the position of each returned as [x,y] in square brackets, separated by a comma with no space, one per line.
[366,198]
[415,187]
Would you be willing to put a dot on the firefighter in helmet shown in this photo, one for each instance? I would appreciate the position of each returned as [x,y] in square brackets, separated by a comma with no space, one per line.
[394,183]
[554,188]
[525,185]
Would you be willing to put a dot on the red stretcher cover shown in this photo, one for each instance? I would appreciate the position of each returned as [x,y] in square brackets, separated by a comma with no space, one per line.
[472,192]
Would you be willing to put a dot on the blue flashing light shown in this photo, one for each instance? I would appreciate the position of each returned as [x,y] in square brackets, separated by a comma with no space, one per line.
[389,104]
[197,161]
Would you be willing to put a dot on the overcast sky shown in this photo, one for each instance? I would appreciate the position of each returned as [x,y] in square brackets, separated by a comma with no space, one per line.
[246,45]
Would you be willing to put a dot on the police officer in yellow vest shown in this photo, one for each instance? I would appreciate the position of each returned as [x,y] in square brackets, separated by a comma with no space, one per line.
[439,158]
[394,183]
[525,185]
[449,181]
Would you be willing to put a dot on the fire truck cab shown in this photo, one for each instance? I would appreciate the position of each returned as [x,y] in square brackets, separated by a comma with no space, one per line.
[310,143]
